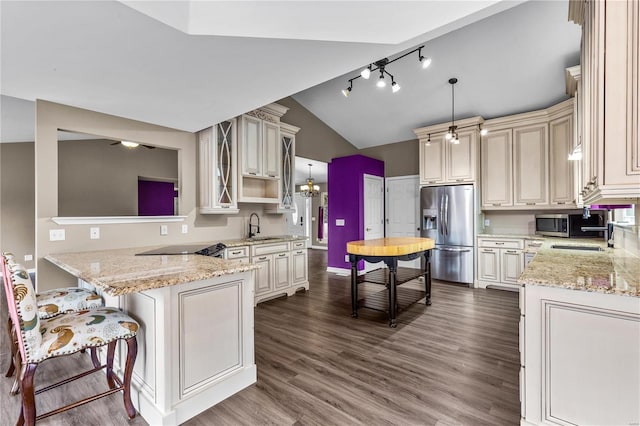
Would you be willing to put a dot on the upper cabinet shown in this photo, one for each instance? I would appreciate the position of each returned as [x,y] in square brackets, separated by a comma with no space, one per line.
[218,156]
[442,162]
[608,92]
[260,155]
[524,160]
[286,169]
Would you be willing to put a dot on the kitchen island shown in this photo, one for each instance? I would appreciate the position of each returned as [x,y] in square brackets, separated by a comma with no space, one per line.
[390,251]
[580,336]
[196,344]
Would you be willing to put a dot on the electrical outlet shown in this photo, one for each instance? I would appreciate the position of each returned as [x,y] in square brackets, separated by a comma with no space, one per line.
[185,228]
[487,222]
[95,267]
[94,233]
[346,257]
[339,222]
[164,230]
[56,235]
[28,257]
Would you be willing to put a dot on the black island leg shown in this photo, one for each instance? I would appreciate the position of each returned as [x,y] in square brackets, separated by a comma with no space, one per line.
[427,276]
[354,285]
[393,269]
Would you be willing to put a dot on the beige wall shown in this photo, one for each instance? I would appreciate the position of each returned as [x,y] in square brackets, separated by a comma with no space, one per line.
[109,183]
[315,140]
[509,222]
[17,201]
[202,228]
[400,158]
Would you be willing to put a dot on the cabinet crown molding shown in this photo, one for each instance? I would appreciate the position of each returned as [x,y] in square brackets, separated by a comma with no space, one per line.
[289,128]
[441,128]
[271,112]
[572,76]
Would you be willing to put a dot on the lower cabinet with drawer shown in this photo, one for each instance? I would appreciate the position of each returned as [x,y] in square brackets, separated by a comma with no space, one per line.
[283,269]
[500,261]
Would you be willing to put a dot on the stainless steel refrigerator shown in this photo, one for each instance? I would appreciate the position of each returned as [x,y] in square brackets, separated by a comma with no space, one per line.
[448,218]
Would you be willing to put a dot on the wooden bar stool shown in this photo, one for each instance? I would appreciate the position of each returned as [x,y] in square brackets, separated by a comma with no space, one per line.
[43,339]
[51,303]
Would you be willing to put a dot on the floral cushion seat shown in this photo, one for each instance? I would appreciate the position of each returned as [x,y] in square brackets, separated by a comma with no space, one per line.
[69,333]
[63,334]
[69,299]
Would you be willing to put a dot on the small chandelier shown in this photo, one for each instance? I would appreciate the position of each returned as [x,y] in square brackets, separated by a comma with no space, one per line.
[381,66]
[309,189]
[452,134]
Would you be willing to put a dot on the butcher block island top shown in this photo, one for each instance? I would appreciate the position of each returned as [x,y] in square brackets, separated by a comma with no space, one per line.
[118,272]
[391,246]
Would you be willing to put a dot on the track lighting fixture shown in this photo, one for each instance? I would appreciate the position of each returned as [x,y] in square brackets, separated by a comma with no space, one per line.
[483,132]
[381,66]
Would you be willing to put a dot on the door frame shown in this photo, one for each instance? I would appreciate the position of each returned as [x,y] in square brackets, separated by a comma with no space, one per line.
[379,179]
[416,232]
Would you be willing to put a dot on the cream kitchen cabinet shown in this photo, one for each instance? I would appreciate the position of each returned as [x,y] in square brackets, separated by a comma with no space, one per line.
[287,169]
[299,264]
[500,261]
[442,162]
[260,155]
[524,161]
[579,355]
[608,104]
[562,188]
[283,269]
[218,157]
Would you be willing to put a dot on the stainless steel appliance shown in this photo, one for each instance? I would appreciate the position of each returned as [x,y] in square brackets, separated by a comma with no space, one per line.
[570,225]
[448,218]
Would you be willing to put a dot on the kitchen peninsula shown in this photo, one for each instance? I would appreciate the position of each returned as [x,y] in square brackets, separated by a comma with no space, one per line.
[580,335]
[196,344]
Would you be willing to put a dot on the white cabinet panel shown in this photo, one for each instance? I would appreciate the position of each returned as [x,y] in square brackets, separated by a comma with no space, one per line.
[497,169]
[271,149]
[561,171]
[300,266]
[251,146]
[461,158]
[264,275]
[281,270]
[489,264]
[221,306]
[512,263]
[432,161]
[530,162]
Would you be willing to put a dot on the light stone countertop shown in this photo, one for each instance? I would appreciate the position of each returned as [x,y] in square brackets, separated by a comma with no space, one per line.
[262,240]
[119,272]
[612,271]
[523,236]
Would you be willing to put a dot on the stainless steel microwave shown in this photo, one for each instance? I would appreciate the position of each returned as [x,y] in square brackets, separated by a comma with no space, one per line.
[569,225]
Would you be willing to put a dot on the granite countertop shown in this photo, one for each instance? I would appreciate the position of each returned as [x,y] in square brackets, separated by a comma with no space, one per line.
[119,272]
[611,271]
[523,236]
[262,240]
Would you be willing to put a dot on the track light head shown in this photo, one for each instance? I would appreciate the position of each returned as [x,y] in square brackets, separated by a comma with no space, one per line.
[394,87]
[425,62]
[346,92]
[381,82]
[365,73]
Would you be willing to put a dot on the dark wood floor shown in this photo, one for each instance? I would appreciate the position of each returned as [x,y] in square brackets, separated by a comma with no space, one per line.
[455,362]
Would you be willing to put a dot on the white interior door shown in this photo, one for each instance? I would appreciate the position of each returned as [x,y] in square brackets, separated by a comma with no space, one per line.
[402,207]
[373,212]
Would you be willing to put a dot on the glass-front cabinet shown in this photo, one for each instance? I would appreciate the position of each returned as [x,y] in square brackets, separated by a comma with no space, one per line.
[218,169]
[287,168]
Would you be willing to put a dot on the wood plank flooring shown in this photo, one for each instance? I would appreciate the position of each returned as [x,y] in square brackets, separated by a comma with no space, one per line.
[455,362]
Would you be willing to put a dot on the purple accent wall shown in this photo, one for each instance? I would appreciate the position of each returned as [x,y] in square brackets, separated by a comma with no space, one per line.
[346,201]
[155,198]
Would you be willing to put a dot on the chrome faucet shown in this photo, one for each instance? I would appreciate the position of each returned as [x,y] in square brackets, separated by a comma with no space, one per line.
[251,225]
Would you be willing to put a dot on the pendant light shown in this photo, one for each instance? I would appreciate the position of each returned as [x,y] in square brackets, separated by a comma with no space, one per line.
[309,189]
[452,134]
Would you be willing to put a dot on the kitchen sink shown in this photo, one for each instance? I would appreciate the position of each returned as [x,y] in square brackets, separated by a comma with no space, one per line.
[587,248]
[262,238]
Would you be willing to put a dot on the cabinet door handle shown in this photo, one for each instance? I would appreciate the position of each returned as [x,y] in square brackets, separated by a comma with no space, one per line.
[488,250]
[272,175]
[262,258]
[497,204]
[530,204]
[499,244]
[459,180]
[511,251]
[282,254]
[236,252]
[253,173]
[562,202]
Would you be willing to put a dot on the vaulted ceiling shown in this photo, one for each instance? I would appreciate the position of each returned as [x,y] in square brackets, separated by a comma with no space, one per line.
[188,65]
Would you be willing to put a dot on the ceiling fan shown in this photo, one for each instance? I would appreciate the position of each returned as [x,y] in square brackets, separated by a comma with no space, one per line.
[132,145]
